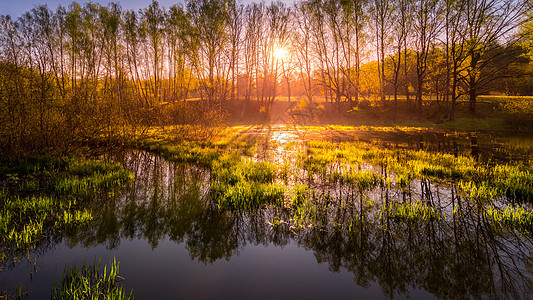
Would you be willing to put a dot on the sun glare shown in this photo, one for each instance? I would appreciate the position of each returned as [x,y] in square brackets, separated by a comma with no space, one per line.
[280,53]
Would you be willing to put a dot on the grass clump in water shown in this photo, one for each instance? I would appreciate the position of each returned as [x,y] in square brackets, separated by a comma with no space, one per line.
[243,183]
[364,180]
[24,221]
[512,217]
[88,176]
[91,282]
[28,219]
[415,211]
[477,179]
[245,194]
[309,208]
[196,151]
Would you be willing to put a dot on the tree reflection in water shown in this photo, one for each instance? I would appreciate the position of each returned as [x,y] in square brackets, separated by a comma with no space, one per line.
[460,256]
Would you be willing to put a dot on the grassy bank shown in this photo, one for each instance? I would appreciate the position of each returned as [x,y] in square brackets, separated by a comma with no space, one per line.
[43,197]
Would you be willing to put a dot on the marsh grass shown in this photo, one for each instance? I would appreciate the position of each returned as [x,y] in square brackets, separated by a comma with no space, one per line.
[247,195]
[243,183]
[90,281]
[200,152]
[309,207]
[24,221]
[481,181]
[512,217]
[89,176]
[416,211]
[29,215]
[363,180]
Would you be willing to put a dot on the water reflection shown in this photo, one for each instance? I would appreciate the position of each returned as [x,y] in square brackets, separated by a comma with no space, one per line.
[499,147]
[461,256]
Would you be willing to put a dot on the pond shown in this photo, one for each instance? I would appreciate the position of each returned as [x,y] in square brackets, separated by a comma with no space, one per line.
[173,241]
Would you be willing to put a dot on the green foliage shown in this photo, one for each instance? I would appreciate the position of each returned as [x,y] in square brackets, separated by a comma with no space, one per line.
[364,180]
[512,217]
[24,221]
[27,219]
[91,282]
[518,111]
[246,194]
[416,211]
[243,183]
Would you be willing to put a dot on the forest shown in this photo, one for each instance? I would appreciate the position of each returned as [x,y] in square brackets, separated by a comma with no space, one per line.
[306,149]
[84,70]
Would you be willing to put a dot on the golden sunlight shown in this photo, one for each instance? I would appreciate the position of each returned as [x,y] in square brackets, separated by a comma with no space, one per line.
[280,53]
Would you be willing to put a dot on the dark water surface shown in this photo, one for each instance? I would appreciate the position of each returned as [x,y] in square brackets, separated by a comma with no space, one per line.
[173,242]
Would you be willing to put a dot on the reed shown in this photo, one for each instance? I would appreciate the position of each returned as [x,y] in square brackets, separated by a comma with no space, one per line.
[88,176]
[514,217]
[25,219]
[416,211]
[91,282]
[243,183]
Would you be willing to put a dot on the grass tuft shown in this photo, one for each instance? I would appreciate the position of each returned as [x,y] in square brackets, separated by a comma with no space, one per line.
[91,282]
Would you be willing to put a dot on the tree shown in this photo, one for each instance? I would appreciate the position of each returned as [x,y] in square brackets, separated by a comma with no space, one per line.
[426,26]
[210,19]
[490,23]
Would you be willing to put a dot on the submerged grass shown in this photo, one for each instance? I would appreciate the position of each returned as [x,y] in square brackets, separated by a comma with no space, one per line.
[243,183]
[200,152]
[53,205]
[89,176]
[478,180]
[512,217]
[24,221]
[415,211]
[91,282]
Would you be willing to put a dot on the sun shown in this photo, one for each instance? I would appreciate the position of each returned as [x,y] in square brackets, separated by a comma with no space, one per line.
[280,52]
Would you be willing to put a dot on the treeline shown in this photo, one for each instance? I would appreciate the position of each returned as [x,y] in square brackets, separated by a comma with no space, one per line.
[86,70]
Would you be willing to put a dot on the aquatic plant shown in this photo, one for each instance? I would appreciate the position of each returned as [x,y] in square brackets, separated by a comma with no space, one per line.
[25,220]
[477,179]
[512,217]
[200,152]
[479,192]
[414,211]
[91,282]
[244,183]
[363,180]
[246,194]
[514,181]
[88,176]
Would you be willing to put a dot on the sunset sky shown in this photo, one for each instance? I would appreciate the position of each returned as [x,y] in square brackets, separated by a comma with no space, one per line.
[17,7]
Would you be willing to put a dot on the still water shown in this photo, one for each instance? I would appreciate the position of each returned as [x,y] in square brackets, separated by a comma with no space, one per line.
[173,242]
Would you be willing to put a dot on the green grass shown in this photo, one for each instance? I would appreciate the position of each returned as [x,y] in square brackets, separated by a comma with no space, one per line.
[243,183]
[512,217]
[247,195]
[89,176]
[477,179]
[363,180]
[200,152]
[41,199]
[416,211]
[91,282]
[24,221]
